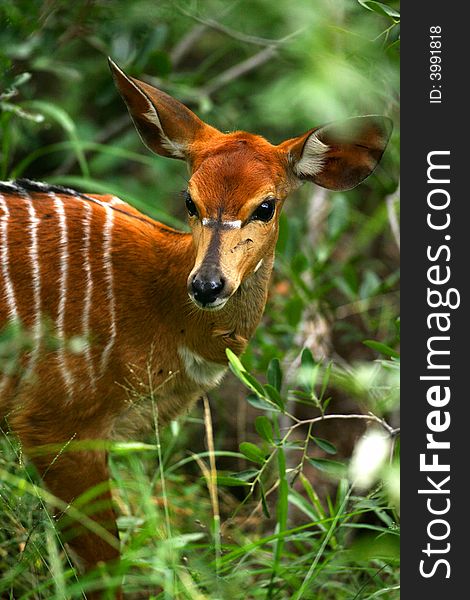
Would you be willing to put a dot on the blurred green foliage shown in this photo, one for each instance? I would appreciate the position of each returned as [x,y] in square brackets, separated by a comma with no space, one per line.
[313,62]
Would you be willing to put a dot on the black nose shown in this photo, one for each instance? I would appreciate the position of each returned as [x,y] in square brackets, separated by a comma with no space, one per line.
[206,287]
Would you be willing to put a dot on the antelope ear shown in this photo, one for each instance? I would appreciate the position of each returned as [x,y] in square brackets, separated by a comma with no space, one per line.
[340,155]
[165,125]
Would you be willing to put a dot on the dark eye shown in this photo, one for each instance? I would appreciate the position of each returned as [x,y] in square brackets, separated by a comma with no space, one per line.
[265,211]
[190,206]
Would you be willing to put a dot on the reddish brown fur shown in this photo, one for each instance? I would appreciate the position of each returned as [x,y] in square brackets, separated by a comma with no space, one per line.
[156,323]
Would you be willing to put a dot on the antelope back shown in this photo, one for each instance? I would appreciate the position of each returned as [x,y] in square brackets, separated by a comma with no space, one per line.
[76,271]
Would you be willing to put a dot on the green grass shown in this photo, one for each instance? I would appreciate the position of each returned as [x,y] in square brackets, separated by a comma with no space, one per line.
[190,529]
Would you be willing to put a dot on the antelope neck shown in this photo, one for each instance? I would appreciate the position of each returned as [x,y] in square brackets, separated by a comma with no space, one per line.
[209,333]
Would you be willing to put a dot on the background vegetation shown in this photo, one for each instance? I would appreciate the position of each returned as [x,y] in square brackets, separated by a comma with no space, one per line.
[263,506]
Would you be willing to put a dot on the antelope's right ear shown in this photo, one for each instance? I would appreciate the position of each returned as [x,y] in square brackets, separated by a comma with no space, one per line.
[340,155]
[165,125]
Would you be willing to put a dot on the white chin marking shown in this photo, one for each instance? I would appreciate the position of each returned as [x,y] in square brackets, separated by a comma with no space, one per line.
[216,305]
[258,265]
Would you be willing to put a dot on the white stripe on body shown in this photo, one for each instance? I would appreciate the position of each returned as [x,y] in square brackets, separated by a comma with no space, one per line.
[108,269]
[34,222]
[5,262]
[63,283]
[5,269]
[88,291]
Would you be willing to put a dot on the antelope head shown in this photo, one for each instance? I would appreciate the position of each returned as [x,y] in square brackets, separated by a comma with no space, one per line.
[239,181]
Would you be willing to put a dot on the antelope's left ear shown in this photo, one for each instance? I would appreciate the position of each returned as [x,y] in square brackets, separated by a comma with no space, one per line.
[339,155]
[166,126]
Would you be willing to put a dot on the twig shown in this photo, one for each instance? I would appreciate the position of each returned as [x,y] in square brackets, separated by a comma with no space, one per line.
[393,432]
[360,306]
[156,425]
[210,447]
[212,481]
[238,70]
[186,43]
[238,35]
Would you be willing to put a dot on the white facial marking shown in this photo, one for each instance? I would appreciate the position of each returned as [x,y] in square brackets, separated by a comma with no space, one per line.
[63,284]
[258,265]
[225,224]
[313,157]
[203,372]
[108,269]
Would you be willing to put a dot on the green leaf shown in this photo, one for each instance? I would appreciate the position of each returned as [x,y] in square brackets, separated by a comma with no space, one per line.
[123,448]
[313,497]
[264,428]
[370,285]
[231,481]
[308,370]
[241,478]
[252,452]
[261,403]
[240,372]
[325,382]
[264,504]
[300,395]
[302,503]
[299,263]
[307,360]
[274,374]
[246,475]
[347,285]
[161,63]
[331,467]
[293,310]
[380,8]
[381,348]
[325,445]
[274,395]
[235,363]
[394,47]
[339,217]
[350,276]
[55,113]
[252,383]
[283,237]
[60,116]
